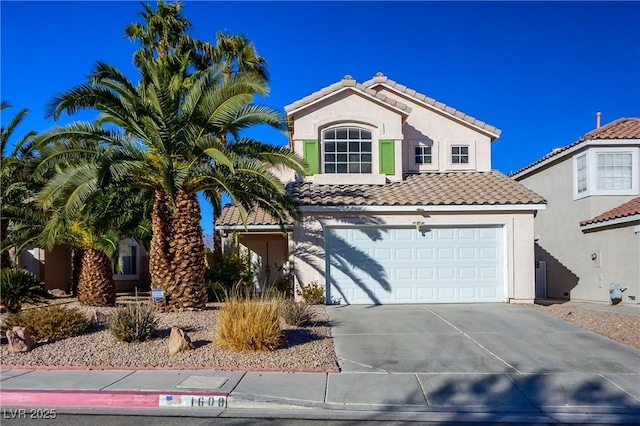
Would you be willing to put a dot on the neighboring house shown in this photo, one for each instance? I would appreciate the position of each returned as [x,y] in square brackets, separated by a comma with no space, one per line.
[589,235]
[54,266]
[401,205]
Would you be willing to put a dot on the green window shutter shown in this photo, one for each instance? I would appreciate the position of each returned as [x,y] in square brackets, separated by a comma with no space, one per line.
[311,154]
[387,157]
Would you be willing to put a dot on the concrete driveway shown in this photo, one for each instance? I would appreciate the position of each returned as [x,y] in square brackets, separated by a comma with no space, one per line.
[471,338]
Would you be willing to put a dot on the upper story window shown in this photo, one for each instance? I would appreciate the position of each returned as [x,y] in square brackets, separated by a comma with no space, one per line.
[606,171]
[459,154]
[422,154]
[347,150]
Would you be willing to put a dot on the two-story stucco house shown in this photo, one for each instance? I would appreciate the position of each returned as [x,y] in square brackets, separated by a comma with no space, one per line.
[401,205]
[589,235]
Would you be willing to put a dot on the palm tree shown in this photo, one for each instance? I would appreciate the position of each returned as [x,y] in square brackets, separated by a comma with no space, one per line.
[171,139]
[11,195]
[236,53]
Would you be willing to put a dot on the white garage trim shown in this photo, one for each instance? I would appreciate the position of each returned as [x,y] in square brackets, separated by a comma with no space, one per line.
[460,263]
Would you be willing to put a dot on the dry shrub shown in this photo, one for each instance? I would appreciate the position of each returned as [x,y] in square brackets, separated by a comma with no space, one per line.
[245,324]
[297,314]
[51,323]
[134,323]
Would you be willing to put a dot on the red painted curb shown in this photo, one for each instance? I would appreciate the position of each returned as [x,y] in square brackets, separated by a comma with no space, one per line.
[96,399]
[216,368]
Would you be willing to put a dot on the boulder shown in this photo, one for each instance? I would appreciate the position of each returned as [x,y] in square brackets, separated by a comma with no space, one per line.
[56,292]
[179,341]
[97,317]
[19,340]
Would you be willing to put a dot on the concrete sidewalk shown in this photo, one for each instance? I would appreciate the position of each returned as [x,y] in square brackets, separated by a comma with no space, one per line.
[523,398]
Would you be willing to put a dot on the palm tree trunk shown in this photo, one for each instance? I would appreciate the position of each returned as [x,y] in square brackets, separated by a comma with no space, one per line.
[95,280]
[177,259]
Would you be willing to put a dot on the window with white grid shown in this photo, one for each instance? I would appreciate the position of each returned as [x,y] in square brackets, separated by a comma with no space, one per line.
[347,150]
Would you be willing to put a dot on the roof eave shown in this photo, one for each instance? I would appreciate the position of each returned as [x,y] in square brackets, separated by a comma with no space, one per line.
[492,134]
[291,111]
[611,222]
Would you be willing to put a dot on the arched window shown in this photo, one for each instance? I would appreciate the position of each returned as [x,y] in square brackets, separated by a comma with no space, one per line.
[347,150]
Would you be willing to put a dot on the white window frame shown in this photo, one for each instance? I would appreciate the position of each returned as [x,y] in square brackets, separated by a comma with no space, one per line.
[591,156]
[374,148]
[425,166]
[459,163]
[136,276]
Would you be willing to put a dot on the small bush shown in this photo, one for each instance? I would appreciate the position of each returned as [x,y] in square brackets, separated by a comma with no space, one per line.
[297,314]
[133,323]
[18,287]
[51,323]
[231,269]
[312,293]
[246,324]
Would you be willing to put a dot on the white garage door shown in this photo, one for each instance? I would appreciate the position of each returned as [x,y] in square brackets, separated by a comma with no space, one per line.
[401,265]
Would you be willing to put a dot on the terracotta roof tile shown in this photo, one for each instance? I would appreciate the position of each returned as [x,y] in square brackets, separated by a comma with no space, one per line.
[622,128]
[454,188]
[230,216]
[630,208]
[382,79]
[347,81]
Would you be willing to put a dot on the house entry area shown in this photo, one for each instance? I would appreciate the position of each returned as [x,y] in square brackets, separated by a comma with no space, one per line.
[419,264]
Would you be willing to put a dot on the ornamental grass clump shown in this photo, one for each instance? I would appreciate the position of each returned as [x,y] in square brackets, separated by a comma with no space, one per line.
[18,287]
[297,314]
[247,324]
[133,323]
[50,323]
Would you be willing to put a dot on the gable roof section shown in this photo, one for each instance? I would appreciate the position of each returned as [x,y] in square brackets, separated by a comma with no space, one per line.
[381,79]
[425,189]
[347,83]
[627,212]
[256,218]
[620,129]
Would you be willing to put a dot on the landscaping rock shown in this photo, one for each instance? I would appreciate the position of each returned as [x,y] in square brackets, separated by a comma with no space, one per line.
[179,341]
[56,292]
[19,340]
[97,317]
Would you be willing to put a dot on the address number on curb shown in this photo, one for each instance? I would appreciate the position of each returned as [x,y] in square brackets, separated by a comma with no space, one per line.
[195,401]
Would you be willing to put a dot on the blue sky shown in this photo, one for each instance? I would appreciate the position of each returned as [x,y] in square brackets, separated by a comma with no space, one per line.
[539,71]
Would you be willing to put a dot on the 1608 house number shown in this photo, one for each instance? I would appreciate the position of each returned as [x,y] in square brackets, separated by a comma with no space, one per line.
[29,413]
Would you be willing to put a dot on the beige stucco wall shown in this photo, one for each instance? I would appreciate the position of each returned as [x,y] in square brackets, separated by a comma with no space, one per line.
[309,249]
[424,124]
[51,266]
[567,250]
[346,108]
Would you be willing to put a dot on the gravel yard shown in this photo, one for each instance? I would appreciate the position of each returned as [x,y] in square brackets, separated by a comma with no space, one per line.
[309,348]
[624,328]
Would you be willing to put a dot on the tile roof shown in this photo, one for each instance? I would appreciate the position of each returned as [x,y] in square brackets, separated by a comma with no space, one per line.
[382,79]
[630,208]
[622,128]
[454,189]
[230,216]
[347,81]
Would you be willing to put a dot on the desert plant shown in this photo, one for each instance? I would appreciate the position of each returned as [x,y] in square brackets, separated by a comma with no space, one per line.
[297,314]
[312,293]
[18,287]
[249,324]
[231,269]
[217,292]
[133,322]
[50,323]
